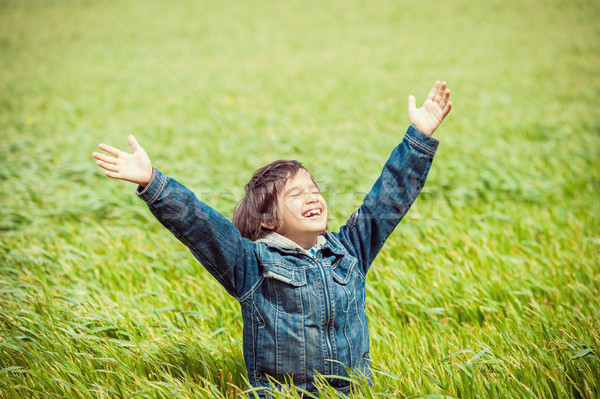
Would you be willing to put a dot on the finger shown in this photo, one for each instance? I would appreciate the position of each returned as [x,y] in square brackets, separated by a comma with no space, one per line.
[444,99]
[112,175]
[412,103]
[447,109]
[111,150]
[434,90]
[440,94]
[133,143]
[107,166]
[104,158]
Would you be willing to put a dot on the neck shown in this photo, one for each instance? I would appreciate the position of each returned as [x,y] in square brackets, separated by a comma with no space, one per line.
[305,242]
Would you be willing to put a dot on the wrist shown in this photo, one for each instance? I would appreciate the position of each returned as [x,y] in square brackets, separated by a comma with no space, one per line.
[421,140]
[428,130]
[422,130]
[144,182]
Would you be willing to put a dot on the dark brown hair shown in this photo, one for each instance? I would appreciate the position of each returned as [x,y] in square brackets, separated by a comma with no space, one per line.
[260,203]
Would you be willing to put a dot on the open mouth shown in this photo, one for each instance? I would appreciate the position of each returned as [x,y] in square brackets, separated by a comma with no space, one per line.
[312,213]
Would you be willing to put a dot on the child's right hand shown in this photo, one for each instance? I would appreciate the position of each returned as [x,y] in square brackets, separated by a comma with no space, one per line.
[135,167]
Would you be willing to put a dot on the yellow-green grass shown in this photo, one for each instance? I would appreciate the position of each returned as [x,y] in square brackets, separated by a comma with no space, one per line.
[488,288]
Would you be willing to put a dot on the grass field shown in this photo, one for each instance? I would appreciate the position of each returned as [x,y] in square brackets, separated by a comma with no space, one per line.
[489,288]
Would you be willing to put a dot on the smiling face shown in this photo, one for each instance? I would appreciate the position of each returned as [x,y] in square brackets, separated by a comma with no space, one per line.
[303,210]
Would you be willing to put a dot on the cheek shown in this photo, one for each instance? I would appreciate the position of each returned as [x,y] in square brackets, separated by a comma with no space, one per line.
[324,203]
[290,208]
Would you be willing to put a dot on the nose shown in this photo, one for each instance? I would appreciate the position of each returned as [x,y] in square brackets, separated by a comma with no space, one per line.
[311,197]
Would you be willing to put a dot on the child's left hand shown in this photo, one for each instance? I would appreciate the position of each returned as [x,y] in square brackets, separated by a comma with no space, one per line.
[433,111]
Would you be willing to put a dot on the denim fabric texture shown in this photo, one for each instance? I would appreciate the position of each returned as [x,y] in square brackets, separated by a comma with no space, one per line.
[303,314]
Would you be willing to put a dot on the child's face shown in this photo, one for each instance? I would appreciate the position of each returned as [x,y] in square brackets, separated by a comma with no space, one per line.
[303,210]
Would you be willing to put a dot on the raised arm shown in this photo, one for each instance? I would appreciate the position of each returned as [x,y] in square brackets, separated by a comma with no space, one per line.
[211,238]
[400,182]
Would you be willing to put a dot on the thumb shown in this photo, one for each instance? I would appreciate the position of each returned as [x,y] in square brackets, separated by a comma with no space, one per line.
[412,103]
[133,143]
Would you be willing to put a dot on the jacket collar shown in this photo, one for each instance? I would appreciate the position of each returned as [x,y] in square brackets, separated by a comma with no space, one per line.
[277,241]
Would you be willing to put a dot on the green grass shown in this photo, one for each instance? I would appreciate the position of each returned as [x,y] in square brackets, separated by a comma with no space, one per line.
[488,288]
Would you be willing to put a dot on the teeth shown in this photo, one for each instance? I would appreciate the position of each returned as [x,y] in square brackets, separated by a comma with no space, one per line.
[312,212]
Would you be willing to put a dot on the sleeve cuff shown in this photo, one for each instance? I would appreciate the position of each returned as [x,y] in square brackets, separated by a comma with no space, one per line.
[154,188]
[421,141]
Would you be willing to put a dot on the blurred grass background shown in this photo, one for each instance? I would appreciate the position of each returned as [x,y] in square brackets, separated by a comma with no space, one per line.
[488,288]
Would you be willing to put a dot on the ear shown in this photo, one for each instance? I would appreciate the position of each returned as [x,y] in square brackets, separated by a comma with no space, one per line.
[268,226]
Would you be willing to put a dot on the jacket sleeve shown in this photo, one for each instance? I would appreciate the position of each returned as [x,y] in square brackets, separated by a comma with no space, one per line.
[211,238]
[399,184]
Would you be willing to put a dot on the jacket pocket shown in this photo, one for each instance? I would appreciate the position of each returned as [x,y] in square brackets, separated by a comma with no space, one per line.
[345,270]
[349,282]
[287,289]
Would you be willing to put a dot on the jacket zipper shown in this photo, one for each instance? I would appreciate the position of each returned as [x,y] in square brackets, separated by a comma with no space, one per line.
[328,312]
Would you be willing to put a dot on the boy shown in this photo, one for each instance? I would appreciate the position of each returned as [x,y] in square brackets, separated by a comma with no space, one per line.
[301,288]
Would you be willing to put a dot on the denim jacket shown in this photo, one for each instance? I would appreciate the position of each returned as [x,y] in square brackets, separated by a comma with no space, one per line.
[303,314]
